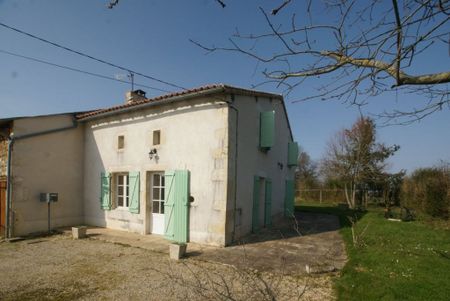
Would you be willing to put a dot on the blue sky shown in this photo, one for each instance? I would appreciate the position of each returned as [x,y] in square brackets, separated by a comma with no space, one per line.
[153,37]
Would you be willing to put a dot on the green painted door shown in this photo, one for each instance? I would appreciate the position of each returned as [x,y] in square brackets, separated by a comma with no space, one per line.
[268,203]
[176,205]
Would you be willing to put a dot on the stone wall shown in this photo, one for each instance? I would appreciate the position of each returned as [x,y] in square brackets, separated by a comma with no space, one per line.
[3,151]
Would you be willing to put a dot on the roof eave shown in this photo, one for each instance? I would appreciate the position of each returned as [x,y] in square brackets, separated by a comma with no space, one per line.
[155,103]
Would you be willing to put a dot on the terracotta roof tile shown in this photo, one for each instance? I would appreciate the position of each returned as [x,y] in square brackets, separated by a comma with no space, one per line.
[225,88]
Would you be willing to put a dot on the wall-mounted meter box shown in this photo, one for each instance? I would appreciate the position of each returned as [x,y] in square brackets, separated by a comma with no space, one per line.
[49,197]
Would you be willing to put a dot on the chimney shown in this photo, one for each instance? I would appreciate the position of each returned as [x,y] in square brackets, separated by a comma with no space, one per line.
[133,96]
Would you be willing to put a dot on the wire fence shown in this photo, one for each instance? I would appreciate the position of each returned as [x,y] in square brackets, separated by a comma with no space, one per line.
[328,196]
[334,196]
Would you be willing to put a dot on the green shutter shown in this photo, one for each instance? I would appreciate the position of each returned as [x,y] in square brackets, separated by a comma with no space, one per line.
[289,198]
[176,205]
[268,203]
[134,191]
[292,153]
[181,206]
[255,212]
[105,193]
[267,130]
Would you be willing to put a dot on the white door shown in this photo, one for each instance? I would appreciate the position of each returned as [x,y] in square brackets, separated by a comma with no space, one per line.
[157,197]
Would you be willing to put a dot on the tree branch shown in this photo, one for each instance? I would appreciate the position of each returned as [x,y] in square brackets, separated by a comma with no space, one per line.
[276,10]
[402,77]
[221,3]
[399,41]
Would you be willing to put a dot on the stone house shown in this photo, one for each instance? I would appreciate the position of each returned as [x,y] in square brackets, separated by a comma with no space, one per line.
[206,165]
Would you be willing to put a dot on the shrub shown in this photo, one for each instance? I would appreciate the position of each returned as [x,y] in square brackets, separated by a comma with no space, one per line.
[427,191]
[436,203]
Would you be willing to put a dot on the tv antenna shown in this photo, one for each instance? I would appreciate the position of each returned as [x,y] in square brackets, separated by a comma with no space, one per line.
[131,77]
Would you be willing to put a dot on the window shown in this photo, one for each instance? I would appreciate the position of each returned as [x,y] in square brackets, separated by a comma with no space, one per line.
[158,193]
[120,142]
[157,137]
[122,190]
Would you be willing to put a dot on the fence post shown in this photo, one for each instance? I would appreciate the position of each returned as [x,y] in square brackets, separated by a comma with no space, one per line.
[321,196]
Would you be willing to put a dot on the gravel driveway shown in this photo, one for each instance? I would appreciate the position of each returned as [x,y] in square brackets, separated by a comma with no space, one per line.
[59,268]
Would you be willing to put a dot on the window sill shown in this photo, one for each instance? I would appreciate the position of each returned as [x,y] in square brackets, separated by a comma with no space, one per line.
[121,208]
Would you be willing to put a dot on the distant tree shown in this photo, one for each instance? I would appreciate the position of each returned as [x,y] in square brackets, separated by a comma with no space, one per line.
[355,158]
[390,184]
[307,171]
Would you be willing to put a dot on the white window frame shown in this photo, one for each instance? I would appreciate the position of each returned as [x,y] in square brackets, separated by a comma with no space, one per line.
[126,189]
[161,189]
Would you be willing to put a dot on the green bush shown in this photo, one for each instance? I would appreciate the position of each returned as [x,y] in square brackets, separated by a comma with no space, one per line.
[436,203]
[427,191]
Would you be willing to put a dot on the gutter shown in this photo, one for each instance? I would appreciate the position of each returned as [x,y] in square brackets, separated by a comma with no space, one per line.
[11,140]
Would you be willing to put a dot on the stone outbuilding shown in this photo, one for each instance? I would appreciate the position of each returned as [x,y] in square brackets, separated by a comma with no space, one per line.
[207,165]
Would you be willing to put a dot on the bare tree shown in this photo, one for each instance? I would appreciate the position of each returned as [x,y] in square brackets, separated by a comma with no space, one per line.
[362,49]
[307,171]
[191,281]
[355,158]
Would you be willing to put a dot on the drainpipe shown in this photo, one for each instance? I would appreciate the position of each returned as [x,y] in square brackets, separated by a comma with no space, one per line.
[231,106]
[11,140]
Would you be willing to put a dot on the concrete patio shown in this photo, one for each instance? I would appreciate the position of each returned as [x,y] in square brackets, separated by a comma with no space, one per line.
[310,245]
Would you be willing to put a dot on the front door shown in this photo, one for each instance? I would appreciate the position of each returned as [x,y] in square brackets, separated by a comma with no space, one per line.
[157,198]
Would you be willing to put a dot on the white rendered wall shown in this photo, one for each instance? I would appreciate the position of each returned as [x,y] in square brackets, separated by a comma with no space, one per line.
[46,163]
[194,137]
[252,161]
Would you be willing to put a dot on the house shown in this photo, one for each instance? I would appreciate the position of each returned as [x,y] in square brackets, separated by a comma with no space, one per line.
[207,165]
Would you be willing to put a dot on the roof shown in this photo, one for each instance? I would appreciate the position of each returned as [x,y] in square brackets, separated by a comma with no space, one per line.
[7,120]
[162,99]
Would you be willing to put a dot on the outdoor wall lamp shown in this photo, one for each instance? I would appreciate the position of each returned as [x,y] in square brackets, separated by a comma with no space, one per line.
[153,153]
[280,165]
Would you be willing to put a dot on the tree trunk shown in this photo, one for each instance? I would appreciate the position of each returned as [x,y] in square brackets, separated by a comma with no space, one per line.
[353,196]
[350,200]
[346,195]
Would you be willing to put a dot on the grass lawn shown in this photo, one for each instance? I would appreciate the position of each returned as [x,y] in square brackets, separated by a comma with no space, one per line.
[397,261]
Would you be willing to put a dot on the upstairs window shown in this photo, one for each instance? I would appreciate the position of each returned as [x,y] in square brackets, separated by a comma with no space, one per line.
[120,142]
[157,137]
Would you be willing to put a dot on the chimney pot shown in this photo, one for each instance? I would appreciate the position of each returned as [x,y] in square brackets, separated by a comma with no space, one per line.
[133,96]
